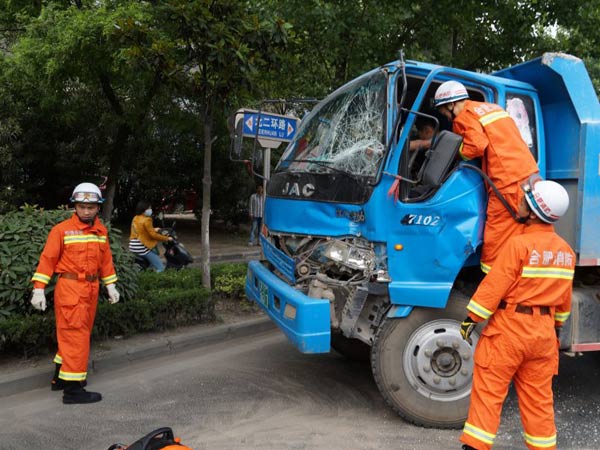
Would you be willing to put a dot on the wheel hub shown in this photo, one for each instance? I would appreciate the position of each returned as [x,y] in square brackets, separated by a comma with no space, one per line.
[446,362]
[438,362]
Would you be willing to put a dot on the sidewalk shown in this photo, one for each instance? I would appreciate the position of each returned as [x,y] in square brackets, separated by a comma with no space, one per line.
[224,246]
[21,375]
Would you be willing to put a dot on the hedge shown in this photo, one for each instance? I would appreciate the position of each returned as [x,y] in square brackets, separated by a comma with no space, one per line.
[22,238]
[149,301]
[163,301]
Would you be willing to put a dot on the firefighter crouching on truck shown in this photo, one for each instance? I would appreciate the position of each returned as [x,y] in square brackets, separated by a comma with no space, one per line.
[78,251]
[491,134]
[527,297]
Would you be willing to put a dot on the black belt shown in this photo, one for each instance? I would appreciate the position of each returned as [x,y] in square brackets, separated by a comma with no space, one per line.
[544,310]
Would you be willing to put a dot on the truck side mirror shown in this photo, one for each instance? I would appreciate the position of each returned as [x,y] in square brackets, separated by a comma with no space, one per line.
[237,140]
[441,157]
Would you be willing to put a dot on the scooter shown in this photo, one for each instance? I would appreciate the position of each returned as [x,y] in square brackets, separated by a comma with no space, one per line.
[176,254]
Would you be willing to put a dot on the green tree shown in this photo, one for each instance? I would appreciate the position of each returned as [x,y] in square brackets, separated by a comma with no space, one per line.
[224,46]
[338,40]
[94,70]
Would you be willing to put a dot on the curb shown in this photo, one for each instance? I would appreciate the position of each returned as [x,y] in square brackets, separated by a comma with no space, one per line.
[29,379]
[232,257]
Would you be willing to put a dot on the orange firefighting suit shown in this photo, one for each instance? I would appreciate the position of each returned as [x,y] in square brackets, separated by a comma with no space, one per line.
[526,294]
[491,134]
[80,254]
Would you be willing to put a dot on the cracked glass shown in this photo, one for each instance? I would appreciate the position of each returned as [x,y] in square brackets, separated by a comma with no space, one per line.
[345,133]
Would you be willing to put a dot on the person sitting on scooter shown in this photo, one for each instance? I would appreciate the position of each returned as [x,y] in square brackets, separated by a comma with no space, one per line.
[143,238]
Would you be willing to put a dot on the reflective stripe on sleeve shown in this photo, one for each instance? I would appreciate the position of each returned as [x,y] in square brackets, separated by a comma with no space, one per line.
[479,434]
[479,310]
[110,279]
[485,268]
[42,278]
[547,272]
[561,316]
[542,442]
[492,117]
[57,359]
[460,152]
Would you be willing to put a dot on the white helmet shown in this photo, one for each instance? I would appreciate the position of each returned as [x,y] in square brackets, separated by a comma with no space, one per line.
[86,193]
[448,92]
[547,199]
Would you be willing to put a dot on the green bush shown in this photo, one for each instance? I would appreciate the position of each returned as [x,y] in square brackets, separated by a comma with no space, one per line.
[27,335]
[22,238]
[163,300]
[169,279]
[229,280]
[166,300]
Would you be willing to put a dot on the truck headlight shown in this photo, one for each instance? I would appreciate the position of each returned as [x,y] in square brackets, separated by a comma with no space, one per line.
[349,255]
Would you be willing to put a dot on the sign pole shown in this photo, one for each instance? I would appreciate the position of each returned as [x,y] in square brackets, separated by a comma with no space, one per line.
[266,167]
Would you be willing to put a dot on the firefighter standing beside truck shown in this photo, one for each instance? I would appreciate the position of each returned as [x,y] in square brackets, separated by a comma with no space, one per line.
[527,298]
[78,251]
[491,134]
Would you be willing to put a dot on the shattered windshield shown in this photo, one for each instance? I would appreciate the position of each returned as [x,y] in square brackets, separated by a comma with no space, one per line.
[345,134]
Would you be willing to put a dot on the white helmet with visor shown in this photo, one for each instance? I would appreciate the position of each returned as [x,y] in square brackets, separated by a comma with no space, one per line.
[87,193]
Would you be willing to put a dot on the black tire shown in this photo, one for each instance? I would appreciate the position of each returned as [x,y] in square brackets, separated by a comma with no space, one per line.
[423,367]
[353,349]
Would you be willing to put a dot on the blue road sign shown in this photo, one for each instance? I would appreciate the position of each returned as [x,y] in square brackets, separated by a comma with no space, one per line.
[272,126]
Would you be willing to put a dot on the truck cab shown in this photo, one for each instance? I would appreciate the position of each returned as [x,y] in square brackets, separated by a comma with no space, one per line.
[373,248]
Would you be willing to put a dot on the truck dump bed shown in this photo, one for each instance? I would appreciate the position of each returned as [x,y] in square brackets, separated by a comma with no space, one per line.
[571,131]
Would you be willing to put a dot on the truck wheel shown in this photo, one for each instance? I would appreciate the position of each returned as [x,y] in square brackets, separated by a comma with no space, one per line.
[350,348]
[423,367]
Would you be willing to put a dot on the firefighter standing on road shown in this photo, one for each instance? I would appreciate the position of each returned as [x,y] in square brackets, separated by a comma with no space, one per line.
[491,134]
[78,251]
[527,297]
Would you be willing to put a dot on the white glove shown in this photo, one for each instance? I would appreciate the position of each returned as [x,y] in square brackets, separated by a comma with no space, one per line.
[113,294]
[38,299]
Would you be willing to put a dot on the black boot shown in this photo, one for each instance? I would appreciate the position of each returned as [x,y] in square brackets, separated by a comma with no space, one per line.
[468,447]
[58,384]
[74,393]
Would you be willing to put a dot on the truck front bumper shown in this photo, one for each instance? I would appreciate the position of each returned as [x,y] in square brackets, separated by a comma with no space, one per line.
[304,320]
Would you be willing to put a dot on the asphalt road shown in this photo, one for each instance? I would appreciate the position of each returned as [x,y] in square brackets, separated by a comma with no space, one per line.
[260,393]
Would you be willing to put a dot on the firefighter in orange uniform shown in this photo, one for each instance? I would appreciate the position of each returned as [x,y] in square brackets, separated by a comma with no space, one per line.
[78,251]
[491,134]
[527,297]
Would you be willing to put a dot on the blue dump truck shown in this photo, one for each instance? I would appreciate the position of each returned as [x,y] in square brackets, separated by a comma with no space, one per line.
[347,265]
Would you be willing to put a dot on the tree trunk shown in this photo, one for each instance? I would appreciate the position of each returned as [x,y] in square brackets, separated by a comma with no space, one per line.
[113,172]
[123,133]
[206,183]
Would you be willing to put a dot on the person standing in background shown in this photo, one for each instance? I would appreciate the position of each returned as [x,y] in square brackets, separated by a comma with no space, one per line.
[255,210]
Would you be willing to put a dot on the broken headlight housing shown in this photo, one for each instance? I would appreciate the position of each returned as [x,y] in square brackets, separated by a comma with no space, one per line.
[352,256]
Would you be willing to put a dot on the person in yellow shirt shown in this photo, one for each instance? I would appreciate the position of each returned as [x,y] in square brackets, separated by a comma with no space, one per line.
[144,237]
